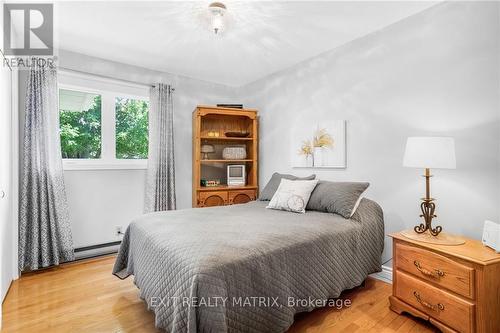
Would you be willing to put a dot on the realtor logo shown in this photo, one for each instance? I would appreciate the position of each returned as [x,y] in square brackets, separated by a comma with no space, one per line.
[33,27]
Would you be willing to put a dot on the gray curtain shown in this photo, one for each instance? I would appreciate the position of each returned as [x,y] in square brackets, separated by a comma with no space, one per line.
[44,227]
[160,182]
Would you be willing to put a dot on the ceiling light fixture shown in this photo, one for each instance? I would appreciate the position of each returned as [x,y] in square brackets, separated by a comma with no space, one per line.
[217,11]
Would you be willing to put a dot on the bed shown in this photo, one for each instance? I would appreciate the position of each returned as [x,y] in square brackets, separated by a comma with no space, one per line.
[245,268]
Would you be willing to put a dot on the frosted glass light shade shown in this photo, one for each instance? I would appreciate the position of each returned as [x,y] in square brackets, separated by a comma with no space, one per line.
[430,152]
[207,148]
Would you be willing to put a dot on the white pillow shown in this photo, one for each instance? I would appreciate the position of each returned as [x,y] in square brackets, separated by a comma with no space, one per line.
[292,195]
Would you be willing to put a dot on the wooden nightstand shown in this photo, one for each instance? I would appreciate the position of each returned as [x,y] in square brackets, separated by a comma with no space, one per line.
[456,288]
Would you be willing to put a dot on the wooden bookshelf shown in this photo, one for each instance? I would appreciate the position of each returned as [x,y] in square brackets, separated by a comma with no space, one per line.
[209,127]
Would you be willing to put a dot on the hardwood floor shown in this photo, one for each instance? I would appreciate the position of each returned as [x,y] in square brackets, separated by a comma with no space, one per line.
[85,297]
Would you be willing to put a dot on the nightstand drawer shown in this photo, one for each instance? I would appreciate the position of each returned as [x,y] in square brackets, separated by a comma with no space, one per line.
[440,305]
[436,268]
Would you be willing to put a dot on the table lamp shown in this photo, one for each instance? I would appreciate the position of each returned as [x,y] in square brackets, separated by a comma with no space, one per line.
[427,153]
[207,149]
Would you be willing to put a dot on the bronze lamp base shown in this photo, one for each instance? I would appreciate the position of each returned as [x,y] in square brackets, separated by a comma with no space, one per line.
[425,232]
[428,208]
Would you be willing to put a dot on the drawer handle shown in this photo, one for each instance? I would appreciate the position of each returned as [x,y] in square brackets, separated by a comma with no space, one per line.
[428,305]
[436,274]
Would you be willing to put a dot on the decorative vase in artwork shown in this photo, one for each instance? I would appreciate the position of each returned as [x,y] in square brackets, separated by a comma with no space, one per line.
[318,156]
[309,161]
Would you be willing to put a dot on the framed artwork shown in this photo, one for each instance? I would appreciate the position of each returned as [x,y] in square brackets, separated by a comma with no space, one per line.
[319,144]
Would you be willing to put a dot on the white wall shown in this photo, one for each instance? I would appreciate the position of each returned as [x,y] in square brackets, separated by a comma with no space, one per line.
[99,200]
[8,176]
[435,73]
[6,241]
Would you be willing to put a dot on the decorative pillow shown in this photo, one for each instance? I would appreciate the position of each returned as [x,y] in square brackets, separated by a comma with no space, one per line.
[336,197]
[292,195]
[271,187]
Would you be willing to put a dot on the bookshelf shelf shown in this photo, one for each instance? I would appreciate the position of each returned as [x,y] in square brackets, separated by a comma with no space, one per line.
[214,138]
[225,161]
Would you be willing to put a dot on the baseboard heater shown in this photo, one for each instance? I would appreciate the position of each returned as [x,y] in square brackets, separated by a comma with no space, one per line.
[97,250]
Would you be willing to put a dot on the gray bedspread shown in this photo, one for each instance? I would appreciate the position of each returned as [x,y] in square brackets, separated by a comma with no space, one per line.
[244,268]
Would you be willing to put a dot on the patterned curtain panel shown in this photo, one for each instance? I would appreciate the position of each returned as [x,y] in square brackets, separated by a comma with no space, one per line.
[44,227]
[160,182]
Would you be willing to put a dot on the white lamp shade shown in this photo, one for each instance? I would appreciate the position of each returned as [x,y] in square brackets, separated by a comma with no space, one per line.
[430,152]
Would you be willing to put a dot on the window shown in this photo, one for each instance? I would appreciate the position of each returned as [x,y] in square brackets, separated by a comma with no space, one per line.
[80,121]
[103,123]
[131,128]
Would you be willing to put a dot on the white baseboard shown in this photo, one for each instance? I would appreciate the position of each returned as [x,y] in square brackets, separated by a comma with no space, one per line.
[385,275]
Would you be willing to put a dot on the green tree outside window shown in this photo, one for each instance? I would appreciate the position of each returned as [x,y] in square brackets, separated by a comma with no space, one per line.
[80,129]
[131,128]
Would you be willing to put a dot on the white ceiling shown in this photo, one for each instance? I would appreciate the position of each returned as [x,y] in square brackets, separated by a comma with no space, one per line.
[261,37]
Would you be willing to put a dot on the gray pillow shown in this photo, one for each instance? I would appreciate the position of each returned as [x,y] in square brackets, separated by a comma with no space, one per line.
[271,187]
[336,197]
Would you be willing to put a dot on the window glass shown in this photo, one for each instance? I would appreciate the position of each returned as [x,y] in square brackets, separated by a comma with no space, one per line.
[80,121]
[131,128]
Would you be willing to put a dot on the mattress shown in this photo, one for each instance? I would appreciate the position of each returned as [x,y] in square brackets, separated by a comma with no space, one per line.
[245,268]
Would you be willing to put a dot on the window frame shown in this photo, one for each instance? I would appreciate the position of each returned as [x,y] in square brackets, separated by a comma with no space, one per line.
[109,90]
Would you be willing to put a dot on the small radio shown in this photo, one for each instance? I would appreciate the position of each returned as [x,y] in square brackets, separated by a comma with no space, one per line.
[491,235]
[236,175]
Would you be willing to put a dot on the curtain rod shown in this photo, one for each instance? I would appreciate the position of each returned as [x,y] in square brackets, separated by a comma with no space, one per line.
[108,77]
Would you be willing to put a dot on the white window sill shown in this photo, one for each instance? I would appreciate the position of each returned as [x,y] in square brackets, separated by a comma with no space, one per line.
[74,165]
